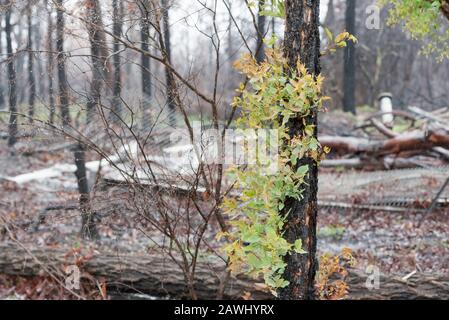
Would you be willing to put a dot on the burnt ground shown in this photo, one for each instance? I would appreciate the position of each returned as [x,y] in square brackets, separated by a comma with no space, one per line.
[393,241]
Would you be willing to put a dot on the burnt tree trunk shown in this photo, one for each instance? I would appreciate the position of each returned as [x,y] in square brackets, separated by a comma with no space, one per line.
[12,139]
[145,61]
[31,79]
[302,41]
[20,59]
[88,227]
[349,61]
[117,7]
[167,53]
[62,77]
[50,66]
[98,48]
[260,50]
[2,93]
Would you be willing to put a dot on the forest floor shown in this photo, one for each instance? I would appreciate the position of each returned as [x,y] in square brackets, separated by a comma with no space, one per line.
[395,242]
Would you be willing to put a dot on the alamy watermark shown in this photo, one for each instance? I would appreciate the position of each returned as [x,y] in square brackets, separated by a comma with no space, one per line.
[72,281]
[373,280]
[237,146]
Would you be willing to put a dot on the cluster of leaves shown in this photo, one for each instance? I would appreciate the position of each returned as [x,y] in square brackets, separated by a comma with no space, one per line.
[274,96]
[340,41]
[422,19]
[274,8]
[331,284]
[269,8]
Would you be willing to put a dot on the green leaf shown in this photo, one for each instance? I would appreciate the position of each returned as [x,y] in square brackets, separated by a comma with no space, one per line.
[329,34]
[297,247]
[302,170]
[281,206]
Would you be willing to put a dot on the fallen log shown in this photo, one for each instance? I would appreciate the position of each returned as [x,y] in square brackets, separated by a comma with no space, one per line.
[411,141]
[382,163]
[435,120]
[156,274]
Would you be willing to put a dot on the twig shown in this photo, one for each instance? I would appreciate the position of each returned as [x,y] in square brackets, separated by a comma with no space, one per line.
[434,202]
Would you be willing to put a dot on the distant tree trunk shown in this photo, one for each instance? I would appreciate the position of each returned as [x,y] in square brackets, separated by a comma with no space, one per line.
[273,22]
[260,50]
[349,61]
[145,61]
[2,96]
[230,47]
[168,75]
[50,66]
[11,78]
[88,227]
[20,61]
[98,48]
[117,7]
[302,41]
[62,77]
[31,79]
[39,63]
[330,15]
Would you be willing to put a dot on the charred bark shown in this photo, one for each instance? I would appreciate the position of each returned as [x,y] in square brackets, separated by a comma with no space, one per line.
[12,127]
[260,50]
[302,41]
[349,61]
[145,61]
[169,80]
[99,49]
[31,78]
[2,93]
[50,66]
[88,227]
[62,77]
[117,7]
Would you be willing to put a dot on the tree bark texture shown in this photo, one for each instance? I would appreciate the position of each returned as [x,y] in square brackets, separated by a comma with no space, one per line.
[62,76]
[50,66]
[170,81]
[349,61]
[261,32]
[31,78]
[145,61]
[99,54]
[88,227]
[302,42]
[12,126]
[117,9]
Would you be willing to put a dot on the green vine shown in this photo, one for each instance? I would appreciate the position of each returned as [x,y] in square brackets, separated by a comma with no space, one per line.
[423,20]
[255,242]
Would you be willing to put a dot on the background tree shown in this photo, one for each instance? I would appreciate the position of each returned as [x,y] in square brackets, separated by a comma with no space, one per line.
[166,50]
[88,226]
[349,61]
[2,93]
[99,57]
[117,7]
[261,32]
[50,63]
[31,78]
[11,77]
[62,77]
[144,7]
